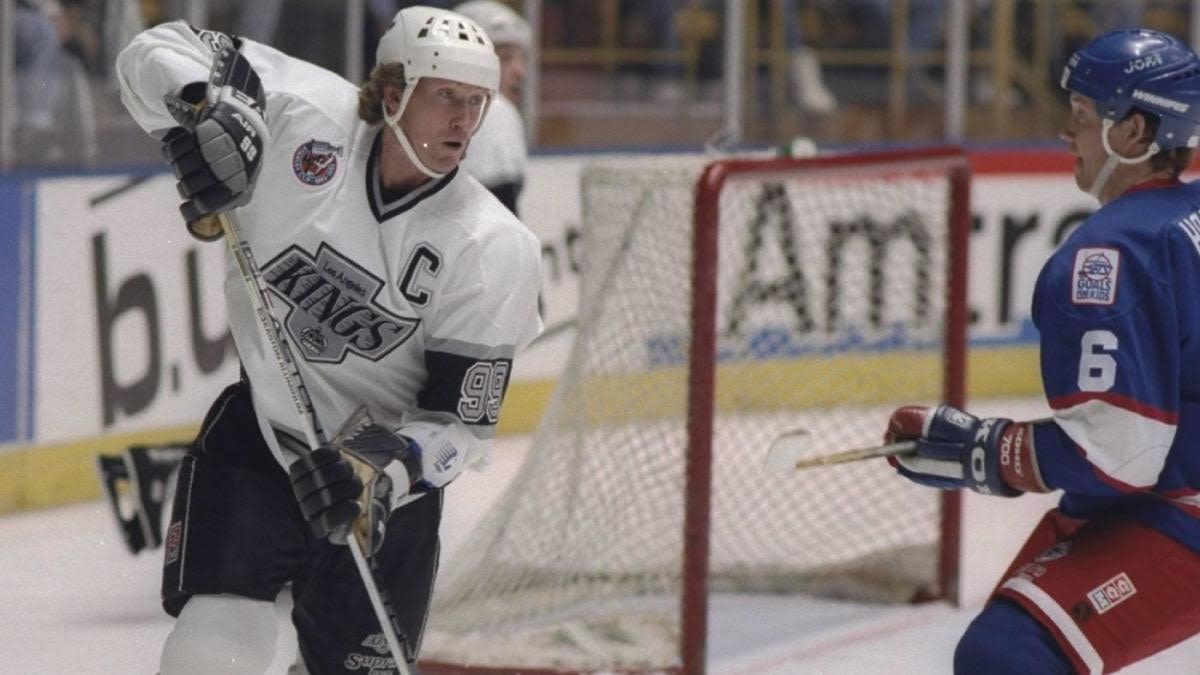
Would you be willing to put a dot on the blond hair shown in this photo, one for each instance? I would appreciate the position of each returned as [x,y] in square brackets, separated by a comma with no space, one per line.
[370,94]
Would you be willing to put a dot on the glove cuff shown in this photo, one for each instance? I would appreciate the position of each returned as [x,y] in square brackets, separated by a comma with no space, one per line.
[1018,459]
[441,450]
[398,474]
[983,473]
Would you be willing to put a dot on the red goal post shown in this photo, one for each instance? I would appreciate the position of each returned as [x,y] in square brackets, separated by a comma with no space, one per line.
[721,305]
[948,161]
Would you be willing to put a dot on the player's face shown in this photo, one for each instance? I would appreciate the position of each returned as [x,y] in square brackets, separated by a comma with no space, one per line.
[440,118]
[512,70]
[1082,136]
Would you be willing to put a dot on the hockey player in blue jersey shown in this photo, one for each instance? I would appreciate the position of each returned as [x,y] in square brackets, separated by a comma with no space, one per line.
[1112,575]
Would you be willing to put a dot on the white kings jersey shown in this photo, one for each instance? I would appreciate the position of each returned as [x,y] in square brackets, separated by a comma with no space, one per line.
[412,304]
[497,152]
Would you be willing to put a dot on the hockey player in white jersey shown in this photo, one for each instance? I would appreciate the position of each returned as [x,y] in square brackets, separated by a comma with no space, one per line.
[498,152]
[497,158]
[404,287]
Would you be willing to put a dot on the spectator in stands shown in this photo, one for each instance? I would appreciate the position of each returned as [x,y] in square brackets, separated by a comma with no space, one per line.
[925,28]
[1117,14]
[57,52]
[256,20]
[807,86]
[78,32]
[38,51]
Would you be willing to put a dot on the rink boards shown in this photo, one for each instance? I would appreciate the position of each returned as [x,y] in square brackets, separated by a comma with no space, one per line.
[113,328]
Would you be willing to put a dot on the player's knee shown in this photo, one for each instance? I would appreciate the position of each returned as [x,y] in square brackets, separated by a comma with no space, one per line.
[221,634]
[1005,639]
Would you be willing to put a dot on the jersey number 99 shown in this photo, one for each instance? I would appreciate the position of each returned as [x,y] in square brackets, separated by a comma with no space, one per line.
[482,390]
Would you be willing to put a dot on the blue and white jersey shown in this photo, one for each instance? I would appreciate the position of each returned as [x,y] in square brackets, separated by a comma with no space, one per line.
[1118,310]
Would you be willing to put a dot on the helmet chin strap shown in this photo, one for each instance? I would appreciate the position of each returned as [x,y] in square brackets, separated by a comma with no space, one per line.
[393,121]
[1114,159]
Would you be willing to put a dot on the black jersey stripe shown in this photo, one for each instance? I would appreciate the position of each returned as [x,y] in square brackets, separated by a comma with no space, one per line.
[468,387]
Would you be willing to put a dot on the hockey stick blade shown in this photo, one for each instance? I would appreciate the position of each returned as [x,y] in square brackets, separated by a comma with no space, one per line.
[789,452]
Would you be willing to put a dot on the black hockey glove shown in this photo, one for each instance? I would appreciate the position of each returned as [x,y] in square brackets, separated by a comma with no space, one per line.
[217,148]
[352,485]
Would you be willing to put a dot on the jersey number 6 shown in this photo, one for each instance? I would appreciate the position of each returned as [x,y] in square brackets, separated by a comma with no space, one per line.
[1097,367]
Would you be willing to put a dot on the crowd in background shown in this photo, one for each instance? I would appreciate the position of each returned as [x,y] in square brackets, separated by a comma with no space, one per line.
[603,63]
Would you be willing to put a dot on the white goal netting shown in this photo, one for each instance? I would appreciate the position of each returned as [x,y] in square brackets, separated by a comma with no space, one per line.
[831,309]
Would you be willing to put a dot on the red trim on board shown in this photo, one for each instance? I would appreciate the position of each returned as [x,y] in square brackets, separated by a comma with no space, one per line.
[1023,162]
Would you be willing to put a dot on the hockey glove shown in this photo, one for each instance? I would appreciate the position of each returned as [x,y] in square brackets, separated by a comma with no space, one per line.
[354,485]
[955,449]
[351,485]
[216,151]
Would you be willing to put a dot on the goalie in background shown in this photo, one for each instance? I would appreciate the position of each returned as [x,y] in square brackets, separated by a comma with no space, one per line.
[1109,577]
[405,289]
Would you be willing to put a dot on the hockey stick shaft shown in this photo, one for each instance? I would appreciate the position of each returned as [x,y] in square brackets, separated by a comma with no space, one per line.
[791,451]
[260,301]
[857,454]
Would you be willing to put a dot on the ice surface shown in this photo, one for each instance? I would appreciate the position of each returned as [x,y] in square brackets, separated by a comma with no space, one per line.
[73,600]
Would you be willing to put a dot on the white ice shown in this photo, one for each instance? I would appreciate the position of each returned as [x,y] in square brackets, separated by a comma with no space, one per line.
[72,600]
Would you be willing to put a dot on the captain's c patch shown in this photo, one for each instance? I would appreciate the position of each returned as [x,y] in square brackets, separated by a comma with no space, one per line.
[1095,279]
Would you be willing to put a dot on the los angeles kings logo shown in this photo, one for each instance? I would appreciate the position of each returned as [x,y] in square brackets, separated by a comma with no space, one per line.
[331,306]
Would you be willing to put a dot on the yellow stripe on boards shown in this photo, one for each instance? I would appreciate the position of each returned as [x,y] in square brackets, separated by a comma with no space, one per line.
[777,384]
[35,477]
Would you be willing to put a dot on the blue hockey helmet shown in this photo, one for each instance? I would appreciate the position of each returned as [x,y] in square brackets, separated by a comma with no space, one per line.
[1144,68]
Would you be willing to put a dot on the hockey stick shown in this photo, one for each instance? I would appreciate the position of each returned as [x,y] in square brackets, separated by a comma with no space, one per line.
[260,300]
[789,453]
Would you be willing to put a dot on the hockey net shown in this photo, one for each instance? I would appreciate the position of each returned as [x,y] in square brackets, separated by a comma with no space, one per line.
[720,307]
